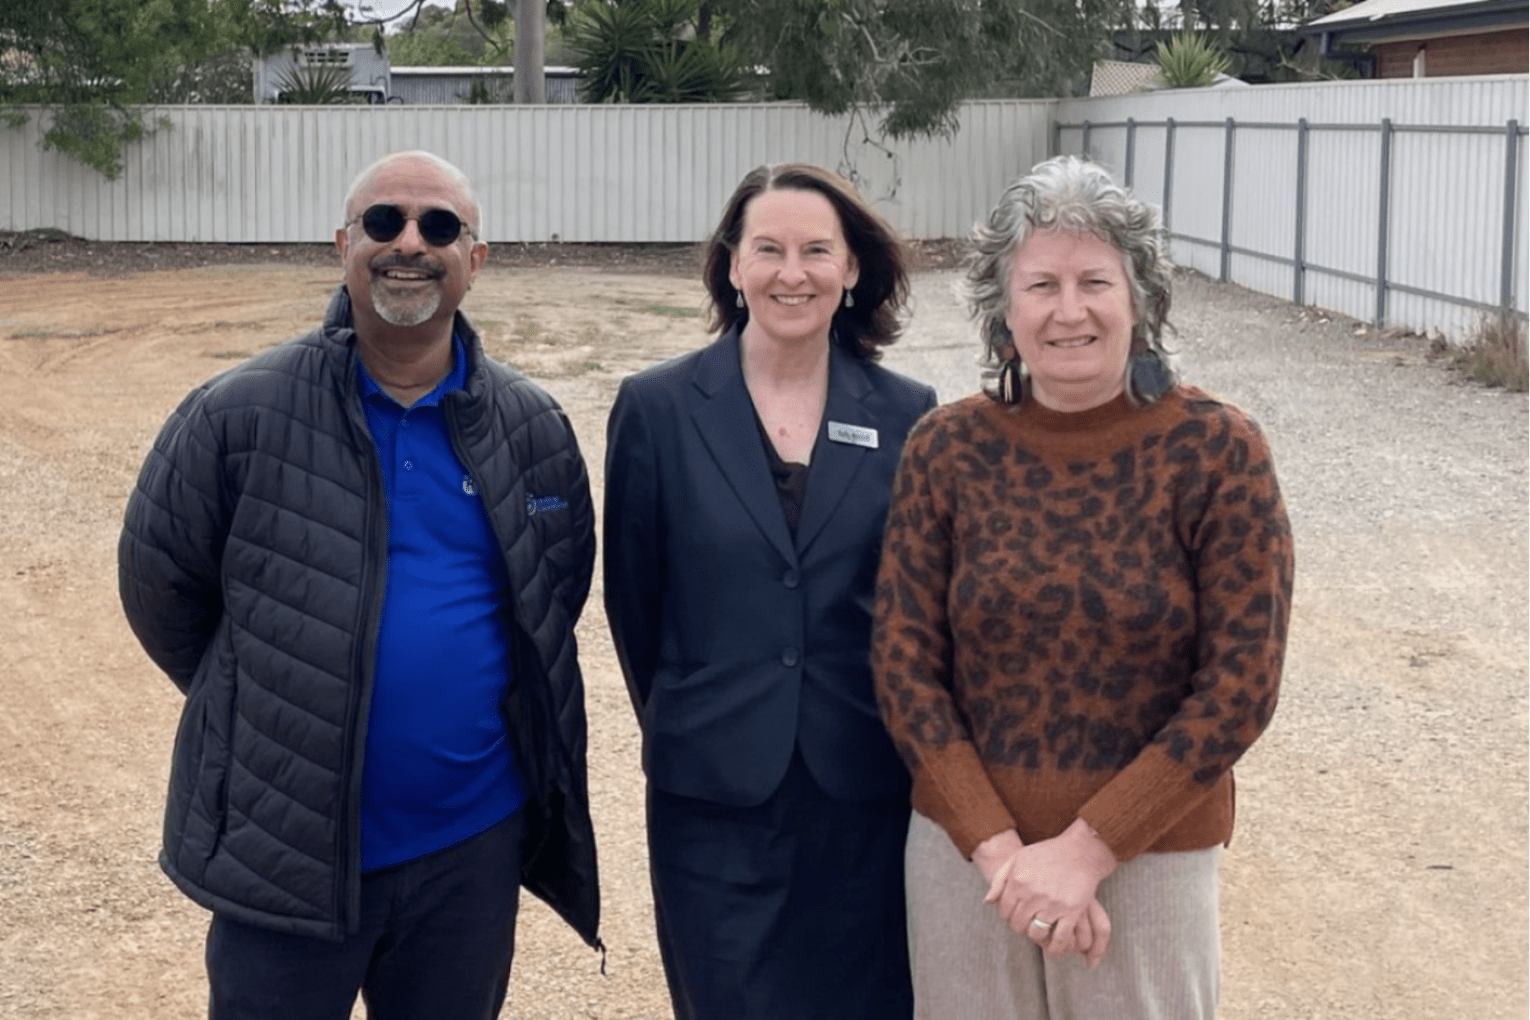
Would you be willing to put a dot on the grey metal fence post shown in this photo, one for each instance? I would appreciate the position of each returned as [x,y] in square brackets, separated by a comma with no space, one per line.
[1510,189]
[1227,183]
[1381,221]
[1086,140]
[1056,138]
[1131,148]
[1299,250]
[1168,170]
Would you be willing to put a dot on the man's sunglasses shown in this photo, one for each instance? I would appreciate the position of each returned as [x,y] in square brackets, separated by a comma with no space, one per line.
[439,227]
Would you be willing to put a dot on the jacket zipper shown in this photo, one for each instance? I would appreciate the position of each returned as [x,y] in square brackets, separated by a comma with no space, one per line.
[559,756]
[374,579]
[525,650]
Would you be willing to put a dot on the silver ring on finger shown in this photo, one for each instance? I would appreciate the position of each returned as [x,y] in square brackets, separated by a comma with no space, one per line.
[1037,922]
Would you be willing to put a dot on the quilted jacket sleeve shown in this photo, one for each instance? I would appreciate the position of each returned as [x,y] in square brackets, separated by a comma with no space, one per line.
[572,571]
[172,543]
[575,588]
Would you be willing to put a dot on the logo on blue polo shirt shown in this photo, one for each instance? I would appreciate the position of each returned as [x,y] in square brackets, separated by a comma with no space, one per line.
[543,504]
[467,485]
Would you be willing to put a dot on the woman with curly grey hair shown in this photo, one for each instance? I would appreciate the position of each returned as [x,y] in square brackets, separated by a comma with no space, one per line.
[1070,197]
[1080,626]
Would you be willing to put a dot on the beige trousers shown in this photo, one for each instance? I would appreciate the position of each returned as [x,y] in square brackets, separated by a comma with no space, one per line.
[1163,961]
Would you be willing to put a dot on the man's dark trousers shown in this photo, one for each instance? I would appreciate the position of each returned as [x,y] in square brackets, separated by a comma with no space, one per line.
[436,940]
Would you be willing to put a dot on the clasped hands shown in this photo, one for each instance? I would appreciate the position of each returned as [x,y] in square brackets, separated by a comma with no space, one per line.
[1051,880]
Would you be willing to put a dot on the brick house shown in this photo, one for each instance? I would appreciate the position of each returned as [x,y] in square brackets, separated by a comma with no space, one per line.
[1429,38]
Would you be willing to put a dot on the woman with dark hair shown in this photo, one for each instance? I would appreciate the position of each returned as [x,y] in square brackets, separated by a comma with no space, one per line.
[1080,626]
[745,492]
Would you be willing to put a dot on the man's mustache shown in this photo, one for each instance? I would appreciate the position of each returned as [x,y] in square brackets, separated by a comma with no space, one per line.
[417,263]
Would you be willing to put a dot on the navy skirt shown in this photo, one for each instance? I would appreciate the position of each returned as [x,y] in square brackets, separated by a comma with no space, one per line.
[792,910]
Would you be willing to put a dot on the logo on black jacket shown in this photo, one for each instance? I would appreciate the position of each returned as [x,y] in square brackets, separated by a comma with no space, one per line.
[543,504]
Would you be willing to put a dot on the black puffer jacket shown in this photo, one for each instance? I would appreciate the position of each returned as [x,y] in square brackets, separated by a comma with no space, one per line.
[252,567]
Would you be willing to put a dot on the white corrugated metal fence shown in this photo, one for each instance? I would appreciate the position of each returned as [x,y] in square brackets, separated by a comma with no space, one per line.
[1316,192]
[662,173]
[543,173]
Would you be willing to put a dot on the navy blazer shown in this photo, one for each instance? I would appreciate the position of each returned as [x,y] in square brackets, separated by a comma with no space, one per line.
[736,641]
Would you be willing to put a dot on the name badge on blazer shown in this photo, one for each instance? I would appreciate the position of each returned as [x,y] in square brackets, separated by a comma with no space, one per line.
[855,435]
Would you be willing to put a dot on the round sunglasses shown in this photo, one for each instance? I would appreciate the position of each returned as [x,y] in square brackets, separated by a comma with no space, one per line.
[439,227]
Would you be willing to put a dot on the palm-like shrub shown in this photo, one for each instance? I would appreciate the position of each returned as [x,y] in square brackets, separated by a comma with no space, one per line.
[690,71]
[1186,61]
[645,51]
[316,85]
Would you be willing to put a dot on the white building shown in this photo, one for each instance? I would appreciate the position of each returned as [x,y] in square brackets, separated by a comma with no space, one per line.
[368,69]
[372,77]
[476,85]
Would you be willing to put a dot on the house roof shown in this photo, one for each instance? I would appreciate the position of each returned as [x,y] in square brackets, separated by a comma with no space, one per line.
[1381,20]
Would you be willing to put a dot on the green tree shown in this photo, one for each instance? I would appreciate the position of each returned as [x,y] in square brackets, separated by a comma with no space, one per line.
[227,78]
[441,37]
[913,62]
[436,37]
[94,60]
[418,49]
[909,63]
[266,26]
[91,64]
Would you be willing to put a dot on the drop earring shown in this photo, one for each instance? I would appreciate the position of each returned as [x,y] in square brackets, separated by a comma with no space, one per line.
[1150,376]
[1010,390]
[738,299]
[849,299]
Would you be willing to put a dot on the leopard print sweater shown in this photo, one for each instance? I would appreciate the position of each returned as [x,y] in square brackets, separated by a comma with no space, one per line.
[1082,615]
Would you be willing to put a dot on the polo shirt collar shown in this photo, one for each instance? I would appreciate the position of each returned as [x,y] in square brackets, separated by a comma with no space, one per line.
[456,379]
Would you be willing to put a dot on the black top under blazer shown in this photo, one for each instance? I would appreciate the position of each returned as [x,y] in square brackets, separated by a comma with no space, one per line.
[737,641]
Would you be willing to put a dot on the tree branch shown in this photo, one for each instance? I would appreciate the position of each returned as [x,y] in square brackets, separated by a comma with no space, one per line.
[876,54]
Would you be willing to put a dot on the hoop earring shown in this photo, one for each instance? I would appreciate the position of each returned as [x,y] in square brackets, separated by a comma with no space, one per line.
[1150,376]
[738,299]
[1010,389]
[849,300]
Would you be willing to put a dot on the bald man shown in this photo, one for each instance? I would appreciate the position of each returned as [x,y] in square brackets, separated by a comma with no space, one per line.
[361,556]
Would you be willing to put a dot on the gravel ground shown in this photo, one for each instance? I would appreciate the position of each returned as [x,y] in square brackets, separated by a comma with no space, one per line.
[1379,868]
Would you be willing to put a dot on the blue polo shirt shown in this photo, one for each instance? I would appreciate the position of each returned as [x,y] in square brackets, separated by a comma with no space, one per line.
[439,765]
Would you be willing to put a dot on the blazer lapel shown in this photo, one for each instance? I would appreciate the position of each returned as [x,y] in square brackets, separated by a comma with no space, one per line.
[834,463]
[727,422]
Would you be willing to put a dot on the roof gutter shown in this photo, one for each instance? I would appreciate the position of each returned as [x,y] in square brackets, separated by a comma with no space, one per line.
[1500,14]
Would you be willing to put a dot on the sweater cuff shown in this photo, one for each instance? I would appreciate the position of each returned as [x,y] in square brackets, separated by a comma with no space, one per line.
[1142,803]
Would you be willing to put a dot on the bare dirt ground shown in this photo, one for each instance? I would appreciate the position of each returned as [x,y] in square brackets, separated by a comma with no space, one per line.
[1379,869]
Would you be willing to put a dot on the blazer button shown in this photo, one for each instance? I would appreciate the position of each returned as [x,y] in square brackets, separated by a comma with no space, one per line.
[791,579]
[789,656]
